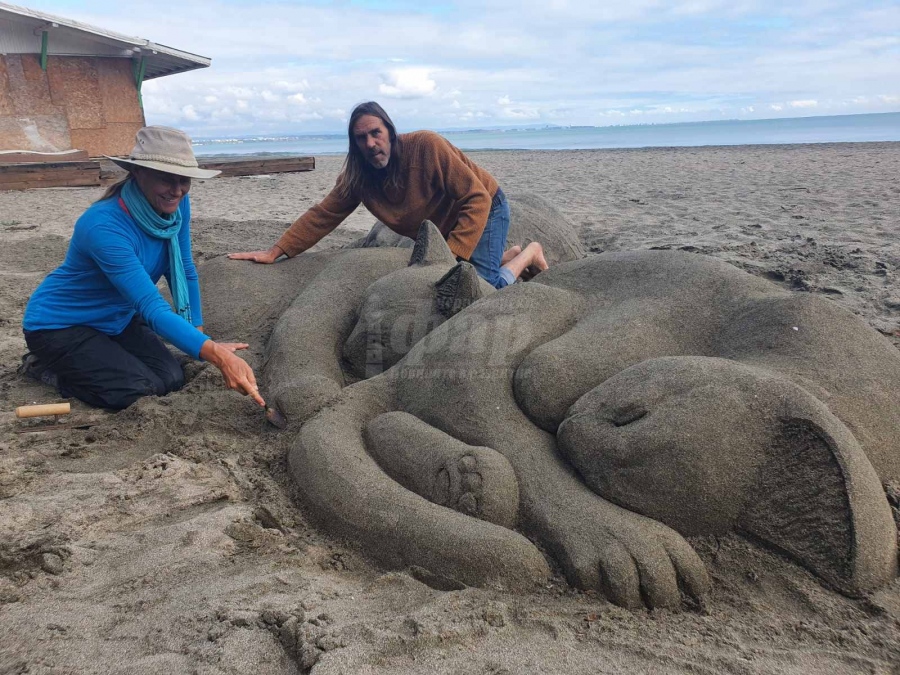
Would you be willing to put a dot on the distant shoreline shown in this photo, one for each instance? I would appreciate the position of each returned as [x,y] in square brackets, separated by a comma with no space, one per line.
[872,128]
[275,137]
[737,146]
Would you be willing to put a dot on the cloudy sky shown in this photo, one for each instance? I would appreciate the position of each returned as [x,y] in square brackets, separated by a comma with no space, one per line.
[299,66]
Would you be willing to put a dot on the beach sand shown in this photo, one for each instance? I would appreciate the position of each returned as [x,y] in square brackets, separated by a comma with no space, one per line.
[168,539]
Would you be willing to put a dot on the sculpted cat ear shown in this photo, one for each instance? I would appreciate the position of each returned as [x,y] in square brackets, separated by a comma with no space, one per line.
[818,499]
[457,289]
[431,248]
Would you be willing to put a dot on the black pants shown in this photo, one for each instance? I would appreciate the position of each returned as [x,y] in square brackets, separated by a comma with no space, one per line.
[107,371]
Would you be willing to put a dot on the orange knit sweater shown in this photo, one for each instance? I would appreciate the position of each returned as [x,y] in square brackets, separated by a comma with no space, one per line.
[441,185]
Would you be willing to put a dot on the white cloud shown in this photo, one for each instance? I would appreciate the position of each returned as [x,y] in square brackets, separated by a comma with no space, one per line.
[407,83]
[189,113]
[306,117]
[223,114]
[292,87]
[300,66]
[521,113]
[240,92]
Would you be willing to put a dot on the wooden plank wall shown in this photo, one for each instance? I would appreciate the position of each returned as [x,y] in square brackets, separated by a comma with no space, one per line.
[26,175]
[49,174]
[26,157]
[257,166]
[80,102]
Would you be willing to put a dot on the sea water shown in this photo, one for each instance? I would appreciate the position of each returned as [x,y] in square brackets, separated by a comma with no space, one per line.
[825,129]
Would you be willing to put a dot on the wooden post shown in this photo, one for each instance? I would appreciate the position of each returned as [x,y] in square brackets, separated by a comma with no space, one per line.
[45,41]
[140,68]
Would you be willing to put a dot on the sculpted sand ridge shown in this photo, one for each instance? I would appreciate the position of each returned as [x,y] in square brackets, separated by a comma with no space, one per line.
[604,410]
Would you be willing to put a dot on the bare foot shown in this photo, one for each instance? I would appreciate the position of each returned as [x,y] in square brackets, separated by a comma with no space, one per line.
[529,262]
[509,254]
[539,262]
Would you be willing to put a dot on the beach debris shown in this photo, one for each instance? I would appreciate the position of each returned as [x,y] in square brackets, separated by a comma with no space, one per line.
[275,418]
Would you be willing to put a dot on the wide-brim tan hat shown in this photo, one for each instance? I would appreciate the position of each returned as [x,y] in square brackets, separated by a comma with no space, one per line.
[164,149]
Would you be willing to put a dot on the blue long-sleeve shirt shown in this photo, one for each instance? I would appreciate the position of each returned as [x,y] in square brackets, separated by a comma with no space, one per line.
[110,273]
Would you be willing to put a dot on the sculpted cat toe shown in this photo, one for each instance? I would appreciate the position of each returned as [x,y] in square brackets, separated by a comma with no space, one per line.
[633,560]
[476,481]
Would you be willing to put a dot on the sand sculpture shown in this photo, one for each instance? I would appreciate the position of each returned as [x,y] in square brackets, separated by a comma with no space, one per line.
[531,218]
[606,409]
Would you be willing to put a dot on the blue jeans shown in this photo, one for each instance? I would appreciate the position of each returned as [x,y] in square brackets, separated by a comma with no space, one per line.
[487,254]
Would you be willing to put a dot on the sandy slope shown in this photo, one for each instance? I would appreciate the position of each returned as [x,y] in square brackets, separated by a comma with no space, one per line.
[166,539]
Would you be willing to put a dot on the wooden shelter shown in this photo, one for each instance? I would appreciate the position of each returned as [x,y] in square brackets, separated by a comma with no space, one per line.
[65,85]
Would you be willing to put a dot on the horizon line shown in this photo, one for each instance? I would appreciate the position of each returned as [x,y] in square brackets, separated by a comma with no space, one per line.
[529,127]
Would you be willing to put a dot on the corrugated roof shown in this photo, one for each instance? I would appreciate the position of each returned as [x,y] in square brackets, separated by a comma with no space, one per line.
[76,38]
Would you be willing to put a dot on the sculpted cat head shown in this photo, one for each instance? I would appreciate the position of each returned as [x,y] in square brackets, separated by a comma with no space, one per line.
[404,306]
[708,446]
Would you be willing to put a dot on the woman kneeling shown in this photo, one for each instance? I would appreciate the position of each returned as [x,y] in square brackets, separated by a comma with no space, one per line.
[94,324]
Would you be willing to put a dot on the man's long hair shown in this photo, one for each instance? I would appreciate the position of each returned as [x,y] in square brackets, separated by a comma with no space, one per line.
[360,178]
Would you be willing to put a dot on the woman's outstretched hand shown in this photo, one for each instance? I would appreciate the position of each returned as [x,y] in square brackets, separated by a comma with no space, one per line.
[233,346]
[237,373]
[265,257]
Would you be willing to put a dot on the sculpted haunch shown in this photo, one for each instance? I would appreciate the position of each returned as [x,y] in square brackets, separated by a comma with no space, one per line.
[604,409]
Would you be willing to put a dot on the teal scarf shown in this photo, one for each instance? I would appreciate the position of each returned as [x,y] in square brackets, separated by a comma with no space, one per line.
[161,227]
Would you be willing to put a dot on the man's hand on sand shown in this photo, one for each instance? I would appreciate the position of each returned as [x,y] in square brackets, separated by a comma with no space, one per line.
[265,257]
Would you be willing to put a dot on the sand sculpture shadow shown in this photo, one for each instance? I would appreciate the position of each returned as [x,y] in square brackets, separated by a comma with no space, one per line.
[597,414]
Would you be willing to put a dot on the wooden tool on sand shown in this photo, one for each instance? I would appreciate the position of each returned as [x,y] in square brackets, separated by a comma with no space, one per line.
[45,410]
[55,409]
